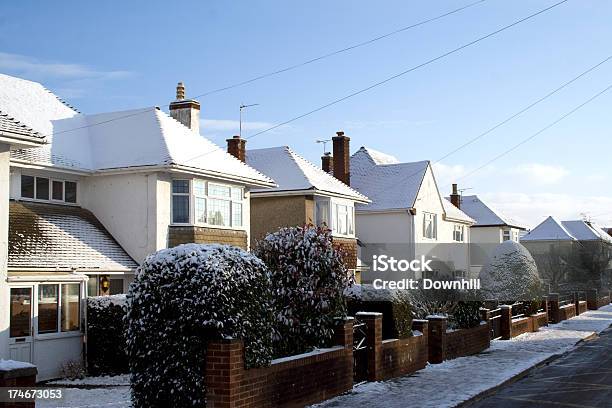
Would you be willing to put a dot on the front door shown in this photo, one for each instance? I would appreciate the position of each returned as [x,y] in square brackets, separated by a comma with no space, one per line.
[21,312]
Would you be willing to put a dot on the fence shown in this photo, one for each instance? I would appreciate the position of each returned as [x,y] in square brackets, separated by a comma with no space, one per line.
[561,307]
[508,321]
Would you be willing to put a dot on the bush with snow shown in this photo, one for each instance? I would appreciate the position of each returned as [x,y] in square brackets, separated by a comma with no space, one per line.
[309,279]
[511,274]
[106,343]
[181,299]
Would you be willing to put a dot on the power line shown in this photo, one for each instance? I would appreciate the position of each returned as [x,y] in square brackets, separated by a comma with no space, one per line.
[288,68]
[398,75]
[340,51]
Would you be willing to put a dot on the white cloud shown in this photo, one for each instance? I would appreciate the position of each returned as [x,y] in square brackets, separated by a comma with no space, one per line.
[33,68]
[447,174]
[534,208]
[541,173]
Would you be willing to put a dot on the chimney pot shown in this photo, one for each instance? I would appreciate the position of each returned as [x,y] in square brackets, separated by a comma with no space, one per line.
[341,161]
[186,111]
[455,198]
[180,91]
[236,146]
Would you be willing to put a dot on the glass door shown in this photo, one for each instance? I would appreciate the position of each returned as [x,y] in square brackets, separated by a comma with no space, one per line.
[21,312]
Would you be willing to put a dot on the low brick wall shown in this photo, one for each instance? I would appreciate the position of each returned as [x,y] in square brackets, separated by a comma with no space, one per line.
[206,235]
[567,312]
[511,327]
[294,381]
[465,342]
[597,298]
[15,374]
[582,307]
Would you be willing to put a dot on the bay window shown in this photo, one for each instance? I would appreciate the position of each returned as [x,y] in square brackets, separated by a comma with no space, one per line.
[430,225]
[213,203]
[340,213]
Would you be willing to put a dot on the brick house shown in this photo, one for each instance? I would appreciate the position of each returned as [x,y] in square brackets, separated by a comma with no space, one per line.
[305,195]
[105,191]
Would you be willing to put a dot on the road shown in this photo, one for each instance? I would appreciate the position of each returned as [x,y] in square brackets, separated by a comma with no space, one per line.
[582,378]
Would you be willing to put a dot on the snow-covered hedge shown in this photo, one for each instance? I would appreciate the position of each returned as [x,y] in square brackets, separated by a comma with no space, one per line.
[106,343]
[183,297]
[511,274]
[308,281]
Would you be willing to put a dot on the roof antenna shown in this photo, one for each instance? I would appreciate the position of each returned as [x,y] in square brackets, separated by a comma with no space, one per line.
[324,142]
[242,106]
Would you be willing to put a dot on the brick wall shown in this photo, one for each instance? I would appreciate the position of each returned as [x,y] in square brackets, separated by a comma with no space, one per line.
[206,235]
[349,249]
[597,298]
[510,327]
[295,381]
[18,377]
[465,342]
[567,312]
[268,214]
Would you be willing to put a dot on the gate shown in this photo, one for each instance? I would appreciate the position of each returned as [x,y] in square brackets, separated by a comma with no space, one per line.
[360,352]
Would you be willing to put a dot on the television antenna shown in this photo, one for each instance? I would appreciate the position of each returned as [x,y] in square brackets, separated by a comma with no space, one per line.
[324,142]
[243,106]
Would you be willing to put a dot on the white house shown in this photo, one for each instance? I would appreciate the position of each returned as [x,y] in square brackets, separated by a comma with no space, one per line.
[408,215]
[491,228]
[104,192]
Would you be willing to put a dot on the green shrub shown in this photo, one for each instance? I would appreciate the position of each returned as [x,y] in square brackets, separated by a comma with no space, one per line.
[402,315]
[106,345]
[467,314]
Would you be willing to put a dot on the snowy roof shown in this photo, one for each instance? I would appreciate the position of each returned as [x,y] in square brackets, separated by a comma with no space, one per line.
[114,140]
[484,215]
[584,231]
[549,230]
[294,173]
[455,213]
[12,127]
[60,236]
[389,186]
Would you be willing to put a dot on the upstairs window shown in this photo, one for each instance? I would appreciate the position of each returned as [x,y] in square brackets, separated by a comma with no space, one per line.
[430,225]
[46,189]
[337,216]
[458,233]
[506,235]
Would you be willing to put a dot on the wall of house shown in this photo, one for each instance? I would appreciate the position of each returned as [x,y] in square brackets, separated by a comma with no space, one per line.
[268,214]
[4,213]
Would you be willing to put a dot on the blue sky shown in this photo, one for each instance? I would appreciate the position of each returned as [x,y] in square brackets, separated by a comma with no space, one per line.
[115,55]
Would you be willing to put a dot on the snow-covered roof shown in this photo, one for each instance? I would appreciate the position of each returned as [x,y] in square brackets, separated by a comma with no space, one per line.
[549,230]
[60,236]
[390,186]
[484,215]
[454,213]
[292,172]
[114,140]
[584,231]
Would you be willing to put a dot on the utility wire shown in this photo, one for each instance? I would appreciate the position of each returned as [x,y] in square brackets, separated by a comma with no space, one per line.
[391,78]
[288,68]
[340,51]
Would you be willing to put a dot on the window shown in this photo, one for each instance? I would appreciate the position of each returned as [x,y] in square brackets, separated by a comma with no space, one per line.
[322,213]
[92,285]
[27,186]
[21,312]
[458,232]
[42,188]
[430,226]
[116,286]
[213,203]
[506,235]
[71,305]
[48,305]
[57,190]
[180,201]
[342,219]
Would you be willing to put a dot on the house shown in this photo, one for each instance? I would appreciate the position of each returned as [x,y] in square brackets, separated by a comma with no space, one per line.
[104,192]
[304,194]
[491,227]
[408,217]
[563,247]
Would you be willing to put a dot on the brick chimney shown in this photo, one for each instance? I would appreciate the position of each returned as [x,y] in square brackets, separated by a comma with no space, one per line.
[236,146]
[455,197]
[327,162]
[341,161]
[186,111]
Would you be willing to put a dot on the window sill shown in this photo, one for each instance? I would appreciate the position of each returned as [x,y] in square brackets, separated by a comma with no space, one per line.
[38,200]
[55,336]
[208,226]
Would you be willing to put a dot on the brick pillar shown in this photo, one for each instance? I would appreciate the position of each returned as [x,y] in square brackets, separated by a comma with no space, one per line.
[554,314]
[506,322]
[373,322]
[437,339]
[485,315]
[591,299]
[421,325]
[224,370]
[18,377]
[343,333]
[577,302]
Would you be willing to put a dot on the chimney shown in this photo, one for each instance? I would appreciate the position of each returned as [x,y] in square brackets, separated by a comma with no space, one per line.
[455,198]
[186,111]
[341,158]
[236,146]
[327,163]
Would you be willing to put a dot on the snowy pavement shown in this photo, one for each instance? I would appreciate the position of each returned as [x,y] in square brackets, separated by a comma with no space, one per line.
[455,381]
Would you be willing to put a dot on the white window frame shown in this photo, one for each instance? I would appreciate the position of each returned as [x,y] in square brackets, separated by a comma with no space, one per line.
[433,219]
[59,333]
[50,199]
[63,199]
[461,230]
[332,215]
[506,235]
[188,194]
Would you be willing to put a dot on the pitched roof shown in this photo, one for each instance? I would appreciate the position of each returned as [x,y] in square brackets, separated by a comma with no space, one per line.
[9,125]
[390,186]
[113,140]
[584,231]
[454,213]
[484,215]
[60,236]
[549,230]
[292,172]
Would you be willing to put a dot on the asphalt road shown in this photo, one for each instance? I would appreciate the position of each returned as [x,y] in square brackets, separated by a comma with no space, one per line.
[582,378]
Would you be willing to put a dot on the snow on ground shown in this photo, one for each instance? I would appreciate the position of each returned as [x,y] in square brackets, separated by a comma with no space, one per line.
[112,397]
[454,381]
[104,380]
